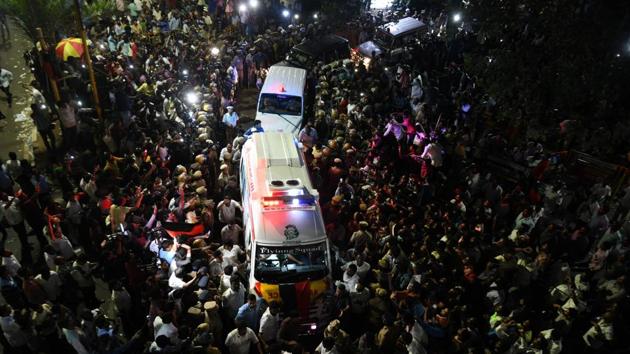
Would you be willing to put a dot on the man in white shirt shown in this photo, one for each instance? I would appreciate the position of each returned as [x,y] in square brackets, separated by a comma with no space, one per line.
[242,339]
[231,232]
[227,210]
[230,119]
[350,277]
[36,95]
[230,252]
[308,136]
[233,298]
[12,165]
[176,281]
[215,268]
[10,212]
[363,268]
[226,155]
[270,323]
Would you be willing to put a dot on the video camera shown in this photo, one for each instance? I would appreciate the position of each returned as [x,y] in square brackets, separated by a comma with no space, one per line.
[114,236]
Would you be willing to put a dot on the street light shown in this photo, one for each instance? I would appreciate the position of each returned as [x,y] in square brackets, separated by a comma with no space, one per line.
[286,13]
[296,16]
[253,4]
[242,8]
[457,17]
[315,16]
[214,51]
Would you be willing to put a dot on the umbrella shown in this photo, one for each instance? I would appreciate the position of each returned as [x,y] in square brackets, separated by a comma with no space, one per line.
[70,47]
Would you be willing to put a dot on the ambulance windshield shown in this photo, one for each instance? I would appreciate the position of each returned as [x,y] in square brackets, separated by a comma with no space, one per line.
[290,264]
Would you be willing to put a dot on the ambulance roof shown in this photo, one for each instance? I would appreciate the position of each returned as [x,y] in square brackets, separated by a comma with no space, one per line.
[278,166]
[285,80]
[275,168]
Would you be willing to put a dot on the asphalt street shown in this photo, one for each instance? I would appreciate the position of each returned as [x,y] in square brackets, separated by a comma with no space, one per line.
[17,132]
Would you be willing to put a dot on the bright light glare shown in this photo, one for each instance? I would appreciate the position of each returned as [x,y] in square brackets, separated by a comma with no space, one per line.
[214,51]
[192,98]
[295,201]
[80,103]
[253,4]
[286,13]
[185,72]
[315,16]
[457,17]
[380,4]
[294,192]
[242,8]
[296,16]
[131,66]
[43,106]
[102,46]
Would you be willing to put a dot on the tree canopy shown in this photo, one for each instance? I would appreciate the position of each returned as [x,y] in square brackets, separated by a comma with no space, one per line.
[53,15]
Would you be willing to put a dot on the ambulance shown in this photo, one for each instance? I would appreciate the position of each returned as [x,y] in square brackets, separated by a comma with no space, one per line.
[281,101]
[285,237]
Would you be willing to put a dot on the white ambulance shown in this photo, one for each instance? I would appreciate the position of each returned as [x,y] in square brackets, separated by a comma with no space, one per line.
[281,101]
[285,236]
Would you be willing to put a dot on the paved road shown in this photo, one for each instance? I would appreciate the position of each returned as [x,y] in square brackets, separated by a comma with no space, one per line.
[246,107]
[17,132]
[18,136]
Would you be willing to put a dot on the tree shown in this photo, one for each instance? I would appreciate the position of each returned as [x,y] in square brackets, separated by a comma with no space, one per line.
[50,15]
[53,15]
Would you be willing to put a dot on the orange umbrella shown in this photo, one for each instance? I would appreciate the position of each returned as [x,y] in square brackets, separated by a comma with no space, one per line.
[70,47]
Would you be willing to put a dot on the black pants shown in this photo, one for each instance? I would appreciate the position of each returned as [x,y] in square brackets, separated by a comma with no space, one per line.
[7,92]
[69,137]
[49,139]
[20,230]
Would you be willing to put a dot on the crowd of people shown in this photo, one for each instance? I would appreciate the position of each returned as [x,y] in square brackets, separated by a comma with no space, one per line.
[434,252]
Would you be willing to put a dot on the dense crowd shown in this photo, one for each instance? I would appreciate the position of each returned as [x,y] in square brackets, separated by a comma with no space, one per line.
[434,252]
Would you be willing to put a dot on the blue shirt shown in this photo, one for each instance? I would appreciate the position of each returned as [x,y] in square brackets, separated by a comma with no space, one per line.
[167,256]
[5,180]
[251,316]
[252,130]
